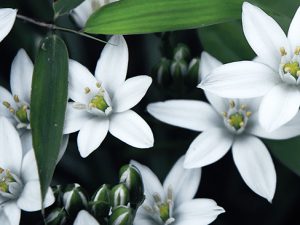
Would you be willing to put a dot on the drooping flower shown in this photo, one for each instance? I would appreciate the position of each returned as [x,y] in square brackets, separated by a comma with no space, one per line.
[224,124]
[82,12]
[7,20]
[275,75]
[102,103]
[19,181]
[15,106]
[172,202]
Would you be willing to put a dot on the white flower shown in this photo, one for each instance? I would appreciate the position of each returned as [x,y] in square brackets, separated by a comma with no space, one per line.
[82,12]
[16,106]
[19,181]
[84,218]
[102,103]
[172,202]
[274,75]
[226,123]
[7,20]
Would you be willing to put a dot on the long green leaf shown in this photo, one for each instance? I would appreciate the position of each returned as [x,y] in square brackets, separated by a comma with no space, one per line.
[48,105]
[62,7]
[146,16]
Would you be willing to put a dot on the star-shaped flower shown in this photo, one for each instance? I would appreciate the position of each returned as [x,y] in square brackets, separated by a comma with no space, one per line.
[15,106]
[7,20]
[82,12]
[19,180]
[224,124]
[102,103]
[172,202]
[275,75]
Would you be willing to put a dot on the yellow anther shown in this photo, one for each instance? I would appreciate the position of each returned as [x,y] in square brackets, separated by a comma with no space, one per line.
[243,107]
[87,90]
[242,124]
[248,114]
[16,98]
[282,51]
[11,110]
[98,85]
[6,104]
[224,114]
[297,50]
[157,198]
[231,104]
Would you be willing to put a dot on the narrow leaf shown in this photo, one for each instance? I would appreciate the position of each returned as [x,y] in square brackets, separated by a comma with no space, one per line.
[62,7]
[49,98]
[145,16]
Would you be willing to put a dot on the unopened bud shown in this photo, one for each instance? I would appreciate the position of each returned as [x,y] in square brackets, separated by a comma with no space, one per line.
[119,195]
[162,73]
[193,77]
[57,217]
[131,177]
[74,199]
[121,215]
[100,204]
[182,52]
[179,68]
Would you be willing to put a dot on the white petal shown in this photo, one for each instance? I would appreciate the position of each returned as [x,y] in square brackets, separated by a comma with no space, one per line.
[63,147]
[294,32]
[80,78]
[112,65]
[29,167]
[132,129]
[84,218]
[197,211]
[31,199]
[207,64]
[7,20]
[26,140]
[279,106]
[208,147]
[21,76]
[12,213]
[5,96]
[91,135]
[255,165]
[264,35]
[190,114]
[185,188]
[286,131]
[75,118]
[151,183]
[220,104]
[130,93]
[245,79]
[10,143]
[82,12]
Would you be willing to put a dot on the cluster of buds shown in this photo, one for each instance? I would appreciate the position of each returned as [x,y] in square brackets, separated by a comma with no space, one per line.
[181,68]
[110,205]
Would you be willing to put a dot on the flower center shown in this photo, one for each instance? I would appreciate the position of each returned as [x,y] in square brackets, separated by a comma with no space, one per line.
[10,185]
[164,210]
[236,118]
[290,66]
[99,102]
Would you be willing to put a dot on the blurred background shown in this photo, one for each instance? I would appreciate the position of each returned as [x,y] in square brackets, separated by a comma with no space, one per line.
[221,180]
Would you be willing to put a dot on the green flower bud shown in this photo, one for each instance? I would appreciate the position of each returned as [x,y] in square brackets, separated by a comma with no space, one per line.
[121,215]
[182,52]
[193,77]
[119,195]
[162,72]
[131,177]
[74,199]
[57,217]
[100,204]
[179,68]
[58,194]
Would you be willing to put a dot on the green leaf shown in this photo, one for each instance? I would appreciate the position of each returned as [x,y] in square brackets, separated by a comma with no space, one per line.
[287,151]
[62,7]
[145,16]
[48,105]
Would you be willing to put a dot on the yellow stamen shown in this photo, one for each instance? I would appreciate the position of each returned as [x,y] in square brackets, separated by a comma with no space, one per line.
[231,104]
[6,104]
[248,114]
[16,98]
[87,90]
[282,51]
[297,51]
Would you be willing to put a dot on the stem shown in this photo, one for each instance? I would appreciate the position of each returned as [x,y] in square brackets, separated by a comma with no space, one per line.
[54,27]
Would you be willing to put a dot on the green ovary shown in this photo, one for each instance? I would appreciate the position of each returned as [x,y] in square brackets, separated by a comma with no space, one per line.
[99,102]
[164,212]
[292,68]
[21,113]
[236,120]
[6,179]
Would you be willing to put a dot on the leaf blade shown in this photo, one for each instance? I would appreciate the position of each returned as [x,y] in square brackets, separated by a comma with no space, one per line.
[62,7]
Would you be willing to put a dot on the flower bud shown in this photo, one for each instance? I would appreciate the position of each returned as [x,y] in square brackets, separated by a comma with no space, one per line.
[57,217]
[119,195]
[121,215]
[162,72]
[182,52]
[193,77]
[178,68]
[131,177]
[100,204]
[74,199]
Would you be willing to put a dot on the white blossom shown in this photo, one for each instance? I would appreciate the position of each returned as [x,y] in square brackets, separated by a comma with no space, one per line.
[274,75]
[224,124]
[7,20]
[102,102]
[84,217]
[172,202]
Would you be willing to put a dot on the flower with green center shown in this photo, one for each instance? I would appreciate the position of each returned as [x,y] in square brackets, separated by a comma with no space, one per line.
[103,102]
[19,180]
[274,75]
[227,124]
[15,106]
[172,202]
